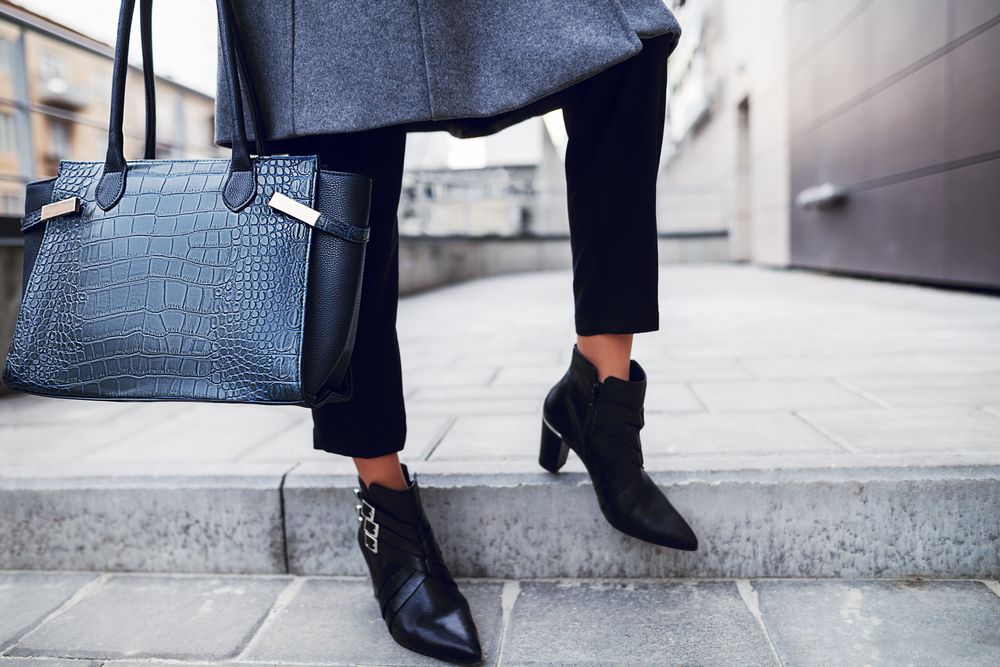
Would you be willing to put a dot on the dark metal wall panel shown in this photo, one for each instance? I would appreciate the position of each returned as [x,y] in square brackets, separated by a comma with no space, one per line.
[973,229]
[900,86]
[891,231]
[973,94]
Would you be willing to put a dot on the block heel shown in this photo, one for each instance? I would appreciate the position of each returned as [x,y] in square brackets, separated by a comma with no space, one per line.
[554,451]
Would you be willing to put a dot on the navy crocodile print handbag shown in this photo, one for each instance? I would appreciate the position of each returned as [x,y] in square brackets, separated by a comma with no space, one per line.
[213,280]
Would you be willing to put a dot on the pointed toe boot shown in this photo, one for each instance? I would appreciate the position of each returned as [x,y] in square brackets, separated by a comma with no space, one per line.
[420,602]
[601,422]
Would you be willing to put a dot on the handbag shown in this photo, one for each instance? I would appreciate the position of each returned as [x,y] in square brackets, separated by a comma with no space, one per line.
[213,280]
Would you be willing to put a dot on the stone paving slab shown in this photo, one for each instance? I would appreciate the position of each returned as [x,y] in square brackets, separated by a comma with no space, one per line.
[256,621]
[833,523]
[873,430]
[206,524]
[28,598]
[890,623]
[972,390]
[576,623]
[157,617]
[332,620]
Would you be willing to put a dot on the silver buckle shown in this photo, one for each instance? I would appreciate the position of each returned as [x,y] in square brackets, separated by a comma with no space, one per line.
[366,517]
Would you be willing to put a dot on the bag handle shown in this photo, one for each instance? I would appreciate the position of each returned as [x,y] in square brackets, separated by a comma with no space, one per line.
[241,184]
[148,78]
[145,29]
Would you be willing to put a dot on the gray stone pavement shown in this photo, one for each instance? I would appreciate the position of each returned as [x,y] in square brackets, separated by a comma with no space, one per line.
[116,620]
[751,369]
[810,425]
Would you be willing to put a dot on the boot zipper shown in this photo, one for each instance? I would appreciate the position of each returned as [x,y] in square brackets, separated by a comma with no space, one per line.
[588,426]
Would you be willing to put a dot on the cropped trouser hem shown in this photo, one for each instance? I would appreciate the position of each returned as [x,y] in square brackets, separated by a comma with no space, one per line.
[615,123]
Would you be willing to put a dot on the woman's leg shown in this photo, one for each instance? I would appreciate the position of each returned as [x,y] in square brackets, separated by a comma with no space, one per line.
[371,427]
[421,605]
[383,470]
[610,354]
[615,125]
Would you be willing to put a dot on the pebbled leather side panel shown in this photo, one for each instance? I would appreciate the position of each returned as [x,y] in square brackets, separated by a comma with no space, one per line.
[335,274]
[36,195]
[169,294]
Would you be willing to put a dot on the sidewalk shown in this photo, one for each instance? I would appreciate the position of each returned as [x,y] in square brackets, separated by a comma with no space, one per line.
[808,425]
[63,620]
[751,368]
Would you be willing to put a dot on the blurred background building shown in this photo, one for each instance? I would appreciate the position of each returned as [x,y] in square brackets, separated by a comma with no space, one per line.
[857,136]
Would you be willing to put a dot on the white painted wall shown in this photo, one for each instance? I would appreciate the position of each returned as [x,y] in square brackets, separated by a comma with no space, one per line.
[744,47]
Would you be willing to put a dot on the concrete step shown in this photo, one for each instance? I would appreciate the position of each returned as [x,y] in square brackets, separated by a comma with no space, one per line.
[513,523]
[139,620]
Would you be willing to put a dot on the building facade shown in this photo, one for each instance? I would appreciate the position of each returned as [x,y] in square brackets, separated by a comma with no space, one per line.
[861,137]
[55,90]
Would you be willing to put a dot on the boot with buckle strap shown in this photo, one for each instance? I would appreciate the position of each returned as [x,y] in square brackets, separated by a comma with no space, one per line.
[420,602]
[601,422]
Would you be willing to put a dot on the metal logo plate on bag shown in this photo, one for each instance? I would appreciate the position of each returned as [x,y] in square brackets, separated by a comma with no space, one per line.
[64,207]
[290,207]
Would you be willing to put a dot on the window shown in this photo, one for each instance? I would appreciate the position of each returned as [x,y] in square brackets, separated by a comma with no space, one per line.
[10,204]
[5,55]
[8,137]
[59,139]
[53,66]
[100,84]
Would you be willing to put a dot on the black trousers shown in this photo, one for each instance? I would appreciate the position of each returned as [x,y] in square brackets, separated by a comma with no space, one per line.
[615,125]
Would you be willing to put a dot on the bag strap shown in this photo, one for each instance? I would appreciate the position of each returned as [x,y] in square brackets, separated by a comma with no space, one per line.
[148,78]
[241,184]
[246,81]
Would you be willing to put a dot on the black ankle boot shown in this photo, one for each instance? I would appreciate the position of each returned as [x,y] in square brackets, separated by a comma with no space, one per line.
[601,422]
[420,602]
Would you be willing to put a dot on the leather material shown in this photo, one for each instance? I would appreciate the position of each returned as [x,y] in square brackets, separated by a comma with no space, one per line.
[178,282]
[239,190]
[148,76]
[342,230]
[170,295]
[420,602]
[110,188]
[601,423]
[335,273]
[36,195]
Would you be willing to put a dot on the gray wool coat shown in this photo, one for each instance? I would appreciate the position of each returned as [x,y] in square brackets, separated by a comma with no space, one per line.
[326,66]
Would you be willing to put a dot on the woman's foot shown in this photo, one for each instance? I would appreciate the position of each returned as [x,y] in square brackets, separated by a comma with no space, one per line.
[600,421]
[420,602]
